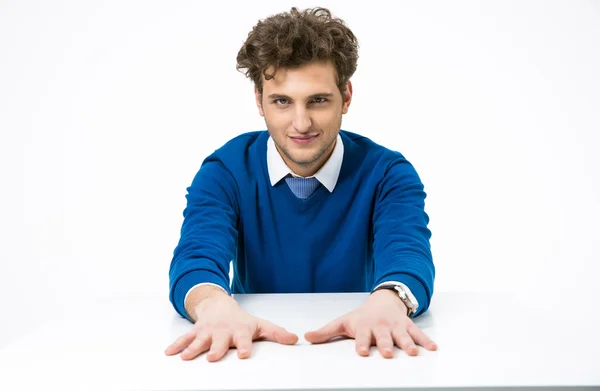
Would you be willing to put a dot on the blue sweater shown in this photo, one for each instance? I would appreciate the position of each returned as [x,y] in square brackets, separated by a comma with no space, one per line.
[372,228]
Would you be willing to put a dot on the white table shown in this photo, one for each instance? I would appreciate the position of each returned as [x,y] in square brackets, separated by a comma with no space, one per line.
[485,341]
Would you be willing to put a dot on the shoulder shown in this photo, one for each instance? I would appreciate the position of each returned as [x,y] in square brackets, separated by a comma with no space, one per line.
[235,151]
[223,168]
[371,150]
[386,167]
[239,158]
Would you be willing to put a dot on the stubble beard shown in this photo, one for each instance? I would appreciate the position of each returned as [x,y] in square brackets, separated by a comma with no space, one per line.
[307,163]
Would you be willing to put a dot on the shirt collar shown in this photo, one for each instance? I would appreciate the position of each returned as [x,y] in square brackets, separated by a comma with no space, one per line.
[327,175]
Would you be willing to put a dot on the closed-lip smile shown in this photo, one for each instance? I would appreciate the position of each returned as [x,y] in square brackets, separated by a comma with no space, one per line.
[304,139]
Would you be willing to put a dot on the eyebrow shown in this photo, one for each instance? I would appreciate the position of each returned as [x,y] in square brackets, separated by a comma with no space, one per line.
[318,95]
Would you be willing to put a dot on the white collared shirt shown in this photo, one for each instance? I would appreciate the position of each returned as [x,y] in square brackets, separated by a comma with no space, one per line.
[327,175]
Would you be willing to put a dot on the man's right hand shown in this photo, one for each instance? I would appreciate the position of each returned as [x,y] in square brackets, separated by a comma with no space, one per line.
[221,324]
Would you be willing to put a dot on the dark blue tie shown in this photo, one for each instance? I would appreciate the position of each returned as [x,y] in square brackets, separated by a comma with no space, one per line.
[302,187]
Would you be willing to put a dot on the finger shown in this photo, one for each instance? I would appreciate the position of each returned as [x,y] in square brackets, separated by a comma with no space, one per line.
[363,340]
[197,347]
[275,333]
[221,343]
[404,341]
[421,338]
[242,340]
[180,343]
[383,339]
[331,330]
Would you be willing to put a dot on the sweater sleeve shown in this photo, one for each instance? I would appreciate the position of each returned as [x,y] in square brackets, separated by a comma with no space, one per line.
[208,234]
[401,248]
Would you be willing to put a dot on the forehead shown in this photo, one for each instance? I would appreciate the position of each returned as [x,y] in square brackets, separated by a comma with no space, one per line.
[303,80]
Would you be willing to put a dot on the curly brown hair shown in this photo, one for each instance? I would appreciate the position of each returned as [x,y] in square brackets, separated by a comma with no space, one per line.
[295,38]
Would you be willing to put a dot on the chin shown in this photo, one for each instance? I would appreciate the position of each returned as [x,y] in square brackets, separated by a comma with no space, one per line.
[304,160]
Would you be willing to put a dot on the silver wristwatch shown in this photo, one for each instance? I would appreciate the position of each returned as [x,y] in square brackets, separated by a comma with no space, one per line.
[405,295]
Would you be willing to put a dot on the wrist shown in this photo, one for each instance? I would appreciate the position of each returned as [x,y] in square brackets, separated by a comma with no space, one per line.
[391,296]
[201,297]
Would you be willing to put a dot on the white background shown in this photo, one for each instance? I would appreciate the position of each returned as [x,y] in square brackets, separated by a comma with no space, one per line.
[107,110]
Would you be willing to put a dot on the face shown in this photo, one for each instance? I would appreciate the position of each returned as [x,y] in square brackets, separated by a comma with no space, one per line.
[303,111]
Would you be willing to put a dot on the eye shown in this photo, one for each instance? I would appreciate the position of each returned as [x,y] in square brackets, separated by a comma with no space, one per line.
[320,100]
[277,101]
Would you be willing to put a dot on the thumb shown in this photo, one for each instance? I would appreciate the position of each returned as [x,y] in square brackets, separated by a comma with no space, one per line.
[331,330]
[275,333]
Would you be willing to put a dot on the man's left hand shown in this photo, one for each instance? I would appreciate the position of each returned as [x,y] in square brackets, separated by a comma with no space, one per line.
[382,321]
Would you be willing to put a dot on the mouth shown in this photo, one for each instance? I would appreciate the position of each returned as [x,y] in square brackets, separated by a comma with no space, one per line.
[303,140]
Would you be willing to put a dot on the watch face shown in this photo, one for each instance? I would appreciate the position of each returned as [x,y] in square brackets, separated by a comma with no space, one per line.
[404,297]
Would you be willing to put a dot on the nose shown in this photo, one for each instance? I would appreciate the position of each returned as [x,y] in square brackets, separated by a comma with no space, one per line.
[302,122]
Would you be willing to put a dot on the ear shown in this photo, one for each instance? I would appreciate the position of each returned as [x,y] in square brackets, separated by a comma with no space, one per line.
[347,97]
[258,98]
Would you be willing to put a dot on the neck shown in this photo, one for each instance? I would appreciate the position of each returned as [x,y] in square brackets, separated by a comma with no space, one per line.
[307,170]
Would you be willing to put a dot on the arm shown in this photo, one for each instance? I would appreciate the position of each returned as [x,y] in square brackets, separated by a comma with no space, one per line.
[208,236]
[199,274]
[401,253]
[401,238]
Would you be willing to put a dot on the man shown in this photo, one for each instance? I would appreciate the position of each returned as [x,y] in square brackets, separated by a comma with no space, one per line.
[302,207]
